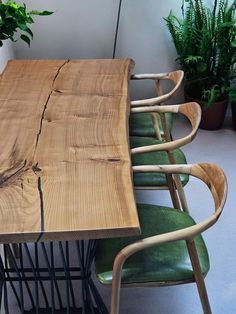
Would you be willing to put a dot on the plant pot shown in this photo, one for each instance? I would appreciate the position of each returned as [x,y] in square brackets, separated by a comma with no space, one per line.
[213,117]
[233,107]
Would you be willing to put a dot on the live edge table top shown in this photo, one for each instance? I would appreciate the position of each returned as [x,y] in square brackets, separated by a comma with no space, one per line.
[65,170]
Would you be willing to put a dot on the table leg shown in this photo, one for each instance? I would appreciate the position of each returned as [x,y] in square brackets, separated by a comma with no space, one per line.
[92,301]
[2,310]
[36,280]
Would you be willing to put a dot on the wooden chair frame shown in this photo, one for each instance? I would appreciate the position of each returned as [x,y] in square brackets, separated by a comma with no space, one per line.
[214,178]
[191,111]
[176,77]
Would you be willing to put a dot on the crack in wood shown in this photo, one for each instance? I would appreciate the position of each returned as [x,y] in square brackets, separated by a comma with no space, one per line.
[111,160]
[59,69]
[46,104]
[41,121]
[41,203]
[36,169]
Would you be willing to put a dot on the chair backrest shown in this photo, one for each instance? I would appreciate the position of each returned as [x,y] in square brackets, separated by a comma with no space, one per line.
[216,181]
[176,77]
[191,111]
[212,175]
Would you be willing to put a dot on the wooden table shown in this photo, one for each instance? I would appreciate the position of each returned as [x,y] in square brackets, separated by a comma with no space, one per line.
[64,159]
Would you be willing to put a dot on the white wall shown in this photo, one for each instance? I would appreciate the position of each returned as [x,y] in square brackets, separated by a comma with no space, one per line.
[77,29]
[86,28]
[6,53]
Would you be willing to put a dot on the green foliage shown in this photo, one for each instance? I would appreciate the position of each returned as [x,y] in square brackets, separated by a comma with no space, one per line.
[14,18]
[205,40]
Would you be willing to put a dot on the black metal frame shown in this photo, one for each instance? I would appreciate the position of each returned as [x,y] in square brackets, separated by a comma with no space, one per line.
[28,275]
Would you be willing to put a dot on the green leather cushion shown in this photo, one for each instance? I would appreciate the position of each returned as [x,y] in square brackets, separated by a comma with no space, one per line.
[155,158]
[140,124]
[167,263]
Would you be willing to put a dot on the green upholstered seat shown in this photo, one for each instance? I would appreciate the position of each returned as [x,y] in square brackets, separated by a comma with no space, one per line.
[140,124]
[164,264]
[154,158]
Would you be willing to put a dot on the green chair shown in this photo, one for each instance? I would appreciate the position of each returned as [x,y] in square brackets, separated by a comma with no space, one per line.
[143,124]
[150,151]
[170,249]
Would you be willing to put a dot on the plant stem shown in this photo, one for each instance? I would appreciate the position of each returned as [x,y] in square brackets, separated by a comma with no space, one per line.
[215,33]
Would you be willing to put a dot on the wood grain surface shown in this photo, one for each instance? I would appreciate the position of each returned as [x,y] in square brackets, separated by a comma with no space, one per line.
[65,170]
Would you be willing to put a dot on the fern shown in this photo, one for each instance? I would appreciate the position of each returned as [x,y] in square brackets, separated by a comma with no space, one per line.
[205,40]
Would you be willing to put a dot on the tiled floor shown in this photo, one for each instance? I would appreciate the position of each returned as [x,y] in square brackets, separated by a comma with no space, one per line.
[209,146]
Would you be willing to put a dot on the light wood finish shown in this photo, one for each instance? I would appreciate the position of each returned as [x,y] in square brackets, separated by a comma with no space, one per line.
[191,111]
[215,179]
[177,194]
[65,164]
[176,77]
[175,186]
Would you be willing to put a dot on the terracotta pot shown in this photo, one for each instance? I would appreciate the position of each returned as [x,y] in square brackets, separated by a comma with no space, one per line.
[213,117]
[233,107]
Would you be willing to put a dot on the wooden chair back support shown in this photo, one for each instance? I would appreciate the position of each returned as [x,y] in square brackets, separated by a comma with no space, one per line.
[191,111]
[176,77]
[214,178]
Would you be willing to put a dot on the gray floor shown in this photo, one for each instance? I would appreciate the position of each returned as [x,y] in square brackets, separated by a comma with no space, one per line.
[209,146]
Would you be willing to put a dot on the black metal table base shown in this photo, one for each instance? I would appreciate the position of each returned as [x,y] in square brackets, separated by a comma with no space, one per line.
[44,278]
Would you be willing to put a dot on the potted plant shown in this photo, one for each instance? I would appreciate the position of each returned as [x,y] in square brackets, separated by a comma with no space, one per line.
[205,40]
[14,21]
[232,102]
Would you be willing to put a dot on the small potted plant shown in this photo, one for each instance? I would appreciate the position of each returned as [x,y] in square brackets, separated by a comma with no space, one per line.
[15,21]
[205,40]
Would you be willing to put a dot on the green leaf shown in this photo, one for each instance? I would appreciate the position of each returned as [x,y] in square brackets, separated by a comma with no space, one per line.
[28,30]
[22,26]
[25,38]
[35,12]
[201,67]
[29,20]
[46,13]
[14,16]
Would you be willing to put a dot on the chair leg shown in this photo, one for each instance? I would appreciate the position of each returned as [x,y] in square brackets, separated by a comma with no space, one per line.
[199,277]
[172,191]
[116,284]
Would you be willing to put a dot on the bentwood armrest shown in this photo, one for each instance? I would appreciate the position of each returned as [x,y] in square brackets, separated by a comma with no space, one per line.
[176,77]
[213,177]
[191,111]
